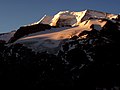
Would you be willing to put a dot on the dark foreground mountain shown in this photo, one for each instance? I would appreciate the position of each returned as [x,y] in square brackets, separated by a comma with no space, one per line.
[89,59]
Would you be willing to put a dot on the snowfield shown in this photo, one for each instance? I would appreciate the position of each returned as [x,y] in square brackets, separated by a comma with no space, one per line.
[49,39]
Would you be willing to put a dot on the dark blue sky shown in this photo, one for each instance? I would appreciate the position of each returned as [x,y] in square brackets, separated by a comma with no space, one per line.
[14,13]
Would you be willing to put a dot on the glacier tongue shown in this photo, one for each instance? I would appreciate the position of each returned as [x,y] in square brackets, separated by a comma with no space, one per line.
[49,40]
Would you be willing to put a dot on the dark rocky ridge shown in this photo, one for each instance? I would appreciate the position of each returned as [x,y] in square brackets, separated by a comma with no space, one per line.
[22,31]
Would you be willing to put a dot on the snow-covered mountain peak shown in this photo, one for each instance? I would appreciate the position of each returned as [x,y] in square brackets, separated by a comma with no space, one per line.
[50,32]
[72,18]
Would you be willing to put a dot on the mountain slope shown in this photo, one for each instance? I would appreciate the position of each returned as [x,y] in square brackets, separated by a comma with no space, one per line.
[76,55]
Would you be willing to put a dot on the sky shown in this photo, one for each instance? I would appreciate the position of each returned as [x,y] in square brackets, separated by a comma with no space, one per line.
[16,13]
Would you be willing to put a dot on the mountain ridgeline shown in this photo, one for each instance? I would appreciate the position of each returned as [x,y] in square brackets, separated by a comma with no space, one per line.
[71,50]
